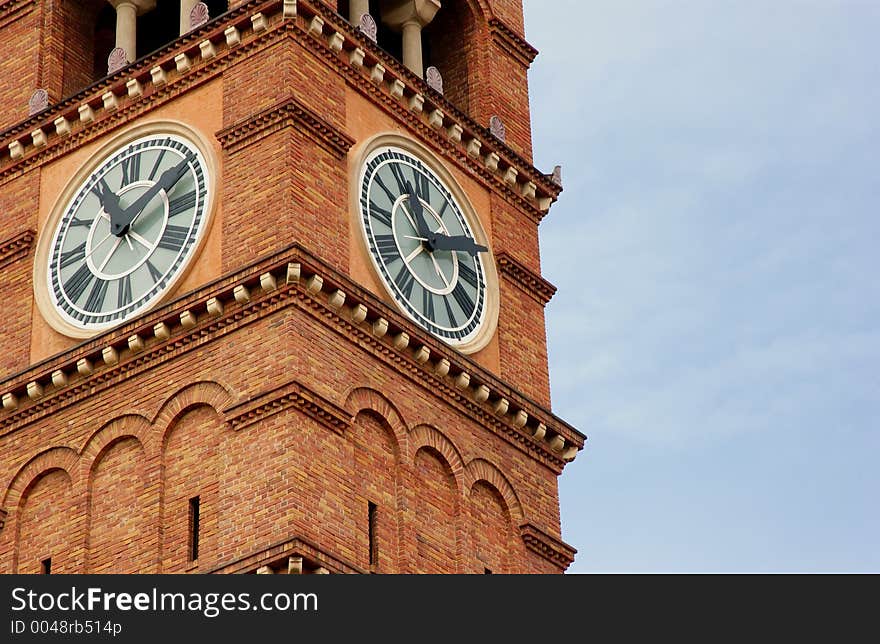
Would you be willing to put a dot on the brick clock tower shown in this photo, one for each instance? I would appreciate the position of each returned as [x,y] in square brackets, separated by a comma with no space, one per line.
[271,296]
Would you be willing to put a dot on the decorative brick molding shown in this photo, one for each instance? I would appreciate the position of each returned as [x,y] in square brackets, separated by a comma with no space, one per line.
[16,248]
[511,42]
[427,436]
[366,399]
[14,9]
[285,114]
[3,514]
[552,549]
[277,559]
[533,285]
[293,395]
[289,279]
[482,470]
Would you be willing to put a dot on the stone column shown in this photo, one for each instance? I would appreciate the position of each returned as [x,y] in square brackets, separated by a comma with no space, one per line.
[126,28]
[127,12]
[410,17]
[186,7]
[357,8]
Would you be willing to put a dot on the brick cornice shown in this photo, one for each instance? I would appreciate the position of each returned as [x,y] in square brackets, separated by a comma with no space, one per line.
[285,113]
[437,368]
[511,42]
[129,108]
[293,395]
[16,248]
[530,190]
[14,9]
[530,283]
[552,549]
[278,553]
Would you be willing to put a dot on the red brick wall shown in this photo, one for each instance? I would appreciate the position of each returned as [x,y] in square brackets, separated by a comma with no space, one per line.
[17,215]
[15,338]
[300,186]
[19,66]
[119,529]
[190,468]
[47,515]
[436,517]
[490,530]
[374,466]
[451,42]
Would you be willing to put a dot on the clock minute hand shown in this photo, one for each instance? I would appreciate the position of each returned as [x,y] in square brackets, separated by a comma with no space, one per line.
[458,243]
[167,180]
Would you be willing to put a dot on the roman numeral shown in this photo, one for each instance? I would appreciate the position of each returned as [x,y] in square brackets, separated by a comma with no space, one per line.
[131,169]
[174,237]
[464,300]
[378,212]
[428,304]
[154,272]
[182,204]
[452,320]
[100,188]
[80,222]
[399,177]
[96,297]
[387,248]
[73,255]
[124,296]
[423,186]
[156,165]
[391,196]
[443,209]
[405,281]
[78,283]
[468,274]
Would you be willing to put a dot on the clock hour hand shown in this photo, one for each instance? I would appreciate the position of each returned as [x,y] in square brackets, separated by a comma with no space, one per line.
[458,243]
[110,203]
[166,182]
[418,213]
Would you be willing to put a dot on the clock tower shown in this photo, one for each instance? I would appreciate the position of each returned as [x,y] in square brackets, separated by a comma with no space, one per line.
[271,290]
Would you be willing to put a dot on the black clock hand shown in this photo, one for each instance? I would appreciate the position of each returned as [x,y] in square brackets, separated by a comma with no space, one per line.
[418,212]
[109,202]
[458,243]
[166,182]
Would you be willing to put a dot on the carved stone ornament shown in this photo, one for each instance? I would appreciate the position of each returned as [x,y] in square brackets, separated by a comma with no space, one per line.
[117,60]
[199,15]
[556,177]
[497,129]
[368,27]
[434,79]
[39,101]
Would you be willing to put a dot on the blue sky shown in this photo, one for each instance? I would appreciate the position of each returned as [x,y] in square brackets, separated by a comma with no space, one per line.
[716,329]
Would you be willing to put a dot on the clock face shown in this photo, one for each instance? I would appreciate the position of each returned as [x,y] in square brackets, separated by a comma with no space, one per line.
[422,246]
[128,232]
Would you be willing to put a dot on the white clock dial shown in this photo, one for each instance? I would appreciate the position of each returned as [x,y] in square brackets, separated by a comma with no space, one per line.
[128,232]
[422,245]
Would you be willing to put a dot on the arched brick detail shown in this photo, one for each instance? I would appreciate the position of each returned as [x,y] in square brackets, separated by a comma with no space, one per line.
[427,436]
[128,426]
[482,470]
[56,458]
[207,393]
[363,398]
[481,9]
